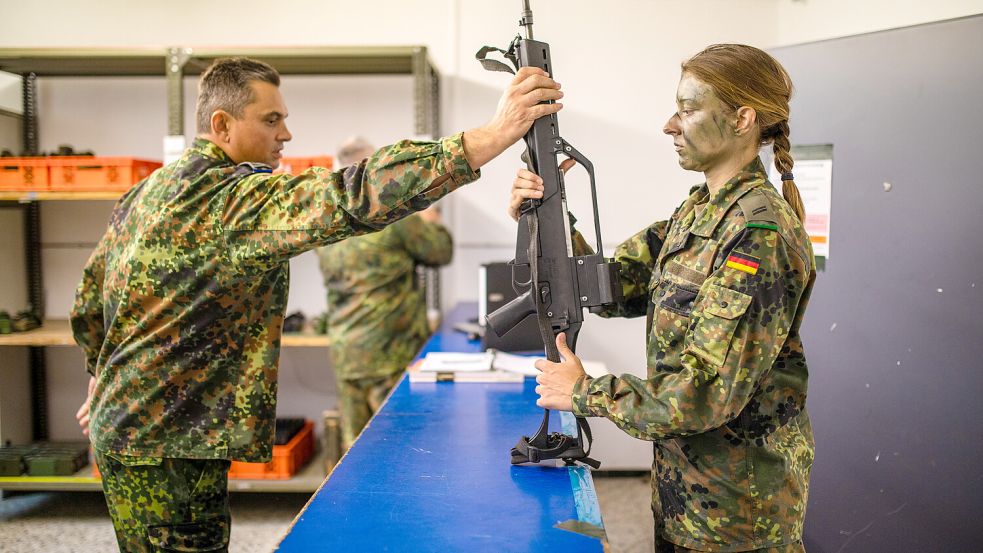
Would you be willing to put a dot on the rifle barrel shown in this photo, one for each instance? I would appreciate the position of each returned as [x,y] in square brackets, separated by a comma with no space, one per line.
[526,20]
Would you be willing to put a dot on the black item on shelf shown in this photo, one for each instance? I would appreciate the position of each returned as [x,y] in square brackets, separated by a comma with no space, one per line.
[286,429]
[294,322]
[67,150]
[24,321]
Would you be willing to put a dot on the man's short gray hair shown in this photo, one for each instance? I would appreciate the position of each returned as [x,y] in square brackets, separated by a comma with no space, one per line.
[225,86]
[353,150]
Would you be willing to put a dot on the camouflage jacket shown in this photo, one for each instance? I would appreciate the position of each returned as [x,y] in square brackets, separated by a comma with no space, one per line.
[376,313]
[724,285]
[181,304]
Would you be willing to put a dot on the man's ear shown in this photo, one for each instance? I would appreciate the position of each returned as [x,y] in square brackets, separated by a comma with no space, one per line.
[220,124]
[746,119]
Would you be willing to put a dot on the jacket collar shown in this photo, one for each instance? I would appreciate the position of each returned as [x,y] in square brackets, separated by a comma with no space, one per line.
[719,203]
[211,150]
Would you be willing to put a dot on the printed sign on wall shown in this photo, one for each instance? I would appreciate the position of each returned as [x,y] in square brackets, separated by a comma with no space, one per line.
[814,178]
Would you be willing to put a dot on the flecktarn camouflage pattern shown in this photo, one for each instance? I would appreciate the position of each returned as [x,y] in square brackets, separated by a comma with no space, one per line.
[166,504]
[374,306]
[358,400]
[377,316]
[724,285]
[180,307]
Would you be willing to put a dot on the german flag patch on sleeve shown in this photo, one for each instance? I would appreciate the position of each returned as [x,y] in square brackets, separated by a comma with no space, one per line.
[743,262]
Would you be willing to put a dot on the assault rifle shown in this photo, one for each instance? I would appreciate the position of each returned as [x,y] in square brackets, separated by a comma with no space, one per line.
[559,285]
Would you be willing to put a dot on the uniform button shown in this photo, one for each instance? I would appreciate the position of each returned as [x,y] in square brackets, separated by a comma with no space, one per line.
[723,304]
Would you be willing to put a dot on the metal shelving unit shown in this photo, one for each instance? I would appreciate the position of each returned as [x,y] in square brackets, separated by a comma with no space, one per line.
[174,64]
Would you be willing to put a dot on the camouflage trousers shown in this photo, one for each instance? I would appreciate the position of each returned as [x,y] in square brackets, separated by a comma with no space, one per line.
[358,400]
[166,504]
[662,546]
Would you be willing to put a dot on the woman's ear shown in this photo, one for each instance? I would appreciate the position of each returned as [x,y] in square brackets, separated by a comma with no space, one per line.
[746,119]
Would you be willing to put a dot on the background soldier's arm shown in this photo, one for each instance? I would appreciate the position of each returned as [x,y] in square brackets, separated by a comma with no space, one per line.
[427,243]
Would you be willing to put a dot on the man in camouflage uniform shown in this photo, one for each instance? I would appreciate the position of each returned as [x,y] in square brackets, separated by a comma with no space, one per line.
[377,316]
[180,307]
[724,285]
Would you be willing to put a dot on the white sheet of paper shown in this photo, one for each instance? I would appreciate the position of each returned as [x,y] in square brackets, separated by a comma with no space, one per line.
[525,364]
[441,361]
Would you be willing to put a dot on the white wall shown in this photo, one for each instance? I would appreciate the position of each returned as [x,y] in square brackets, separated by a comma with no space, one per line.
[618,62]
[810,20]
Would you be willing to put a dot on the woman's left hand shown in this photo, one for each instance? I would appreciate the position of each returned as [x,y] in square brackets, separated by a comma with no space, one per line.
[556,381]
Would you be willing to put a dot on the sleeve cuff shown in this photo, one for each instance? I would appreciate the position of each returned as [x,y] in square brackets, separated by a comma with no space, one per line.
[456,163]
[581,389]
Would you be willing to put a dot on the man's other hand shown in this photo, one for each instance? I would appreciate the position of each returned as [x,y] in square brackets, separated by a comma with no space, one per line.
[82,415]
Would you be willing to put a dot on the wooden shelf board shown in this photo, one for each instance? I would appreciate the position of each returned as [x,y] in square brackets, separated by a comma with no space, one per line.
[307,480]
[54,332]
[81,481]
[58,332]
[16,196]
[294,340]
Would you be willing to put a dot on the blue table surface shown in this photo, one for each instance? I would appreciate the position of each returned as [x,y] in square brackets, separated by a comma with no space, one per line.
[431,472]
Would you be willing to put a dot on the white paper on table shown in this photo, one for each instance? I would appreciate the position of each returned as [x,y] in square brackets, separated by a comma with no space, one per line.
[441,361]
[522,364]
[525,364]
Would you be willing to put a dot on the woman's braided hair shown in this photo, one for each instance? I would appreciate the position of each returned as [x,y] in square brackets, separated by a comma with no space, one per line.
[743,75]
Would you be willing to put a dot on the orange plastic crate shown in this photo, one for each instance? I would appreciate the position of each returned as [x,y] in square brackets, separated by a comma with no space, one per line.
[92,463]
[294,165]
[287,459]
[24,174]
[95,174]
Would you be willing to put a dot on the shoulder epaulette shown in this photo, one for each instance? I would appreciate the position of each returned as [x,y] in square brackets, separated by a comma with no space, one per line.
[255,167]
[757,210]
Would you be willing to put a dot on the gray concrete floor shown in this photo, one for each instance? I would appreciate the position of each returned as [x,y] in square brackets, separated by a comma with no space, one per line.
[77,522]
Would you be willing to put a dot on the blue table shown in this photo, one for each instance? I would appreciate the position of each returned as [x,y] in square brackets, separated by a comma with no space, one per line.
[431,472]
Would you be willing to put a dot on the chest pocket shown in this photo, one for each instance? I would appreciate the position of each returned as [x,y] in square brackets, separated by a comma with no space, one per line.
[714,325]
[670,308]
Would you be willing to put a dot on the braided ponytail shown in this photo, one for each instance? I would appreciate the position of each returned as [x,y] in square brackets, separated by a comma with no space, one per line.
[784,163]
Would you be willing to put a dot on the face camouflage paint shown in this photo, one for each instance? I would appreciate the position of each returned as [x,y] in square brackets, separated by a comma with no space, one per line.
[703,133]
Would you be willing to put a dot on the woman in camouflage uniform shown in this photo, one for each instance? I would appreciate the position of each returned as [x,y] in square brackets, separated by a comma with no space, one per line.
[724,285]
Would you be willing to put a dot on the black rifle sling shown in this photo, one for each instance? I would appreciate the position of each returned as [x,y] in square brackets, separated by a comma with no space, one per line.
[495,65]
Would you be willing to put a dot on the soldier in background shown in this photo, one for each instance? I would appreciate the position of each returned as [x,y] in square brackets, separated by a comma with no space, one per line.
[181,304]
[724,285]
[377,316]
